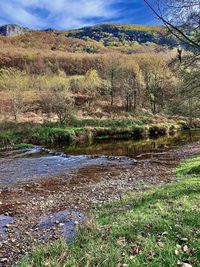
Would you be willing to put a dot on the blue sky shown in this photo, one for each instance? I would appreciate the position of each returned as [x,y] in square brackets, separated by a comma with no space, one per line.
[70,14]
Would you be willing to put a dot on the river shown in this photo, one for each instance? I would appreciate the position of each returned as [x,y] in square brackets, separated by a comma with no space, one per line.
[25,165]
[46,192]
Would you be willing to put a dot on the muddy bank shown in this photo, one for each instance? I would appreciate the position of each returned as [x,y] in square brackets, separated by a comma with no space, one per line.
[77,192]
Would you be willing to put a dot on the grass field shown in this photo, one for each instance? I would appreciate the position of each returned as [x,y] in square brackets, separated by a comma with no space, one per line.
[157,228]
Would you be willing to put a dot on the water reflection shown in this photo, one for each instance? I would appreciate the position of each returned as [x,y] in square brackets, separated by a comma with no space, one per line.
[36,163]
[132,148]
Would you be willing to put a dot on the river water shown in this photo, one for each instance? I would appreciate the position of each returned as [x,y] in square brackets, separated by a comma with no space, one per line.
[31,164]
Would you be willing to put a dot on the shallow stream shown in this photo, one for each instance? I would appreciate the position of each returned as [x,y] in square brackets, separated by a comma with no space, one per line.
[27,165]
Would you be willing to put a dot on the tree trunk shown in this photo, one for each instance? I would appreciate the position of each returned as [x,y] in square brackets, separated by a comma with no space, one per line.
[112,89]
[111,98]
[154,107]
[127,103]
[135,100]
[190,116]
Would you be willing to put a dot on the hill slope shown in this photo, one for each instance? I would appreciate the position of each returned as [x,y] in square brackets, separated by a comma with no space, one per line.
[119,34]
[108,35]
[76,51]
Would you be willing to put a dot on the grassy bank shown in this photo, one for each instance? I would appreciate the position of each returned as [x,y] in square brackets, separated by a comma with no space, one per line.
[158,228]
[82,130]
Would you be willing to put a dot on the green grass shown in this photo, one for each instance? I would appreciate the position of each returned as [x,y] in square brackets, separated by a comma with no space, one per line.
[22,145]
[107,123]
[191,167]
[81,130]
[157,228]
[10,137]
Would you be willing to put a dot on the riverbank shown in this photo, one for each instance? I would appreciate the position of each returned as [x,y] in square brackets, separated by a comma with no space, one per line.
[158,227]
[79,191]
[84,131]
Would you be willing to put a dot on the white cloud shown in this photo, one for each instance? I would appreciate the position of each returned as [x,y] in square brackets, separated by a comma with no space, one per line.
[61,14]
[14,13]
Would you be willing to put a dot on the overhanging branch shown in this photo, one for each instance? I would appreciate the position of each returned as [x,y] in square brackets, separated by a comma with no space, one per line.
[167,23]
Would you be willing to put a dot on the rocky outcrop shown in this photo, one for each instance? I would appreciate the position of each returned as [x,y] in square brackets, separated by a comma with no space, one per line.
[12,30]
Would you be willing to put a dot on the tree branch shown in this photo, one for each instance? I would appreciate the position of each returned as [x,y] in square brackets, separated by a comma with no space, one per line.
[191,42]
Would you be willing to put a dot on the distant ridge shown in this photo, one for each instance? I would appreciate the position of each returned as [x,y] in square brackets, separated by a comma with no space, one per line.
[106,35]
[113,34]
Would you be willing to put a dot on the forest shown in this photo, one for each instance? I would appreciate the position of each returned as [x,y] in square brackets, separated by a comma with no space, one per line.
[54,77]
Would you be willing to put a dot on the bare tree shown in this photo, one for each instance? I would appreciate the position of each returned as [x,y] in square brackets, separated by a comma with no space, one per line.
[182,19]
[15,84]
[111,74]
[55,101]
[130,82]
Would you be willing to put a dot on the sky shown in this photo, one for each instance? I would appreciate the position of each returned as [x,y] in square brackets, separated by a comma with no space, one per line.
[72,14]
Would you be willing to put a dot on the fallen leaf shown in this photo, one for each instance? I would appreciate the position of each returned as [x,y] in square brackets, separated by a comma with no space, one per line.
[136,249]
[160,244]
[185,248]
[176,252]
[185,264]
[164,233]
[192,251]
[121,241]
[184,239]
[151,255]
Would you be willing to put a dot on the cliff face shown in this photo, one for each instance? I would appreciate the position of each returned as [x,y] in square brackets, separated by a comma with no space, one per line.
[12,30]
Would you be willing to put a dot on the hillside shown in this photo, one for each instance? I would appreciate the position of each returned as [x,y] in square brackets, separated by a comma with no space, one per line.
[93,75]
[118,34]
[89,39]
[77,51]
